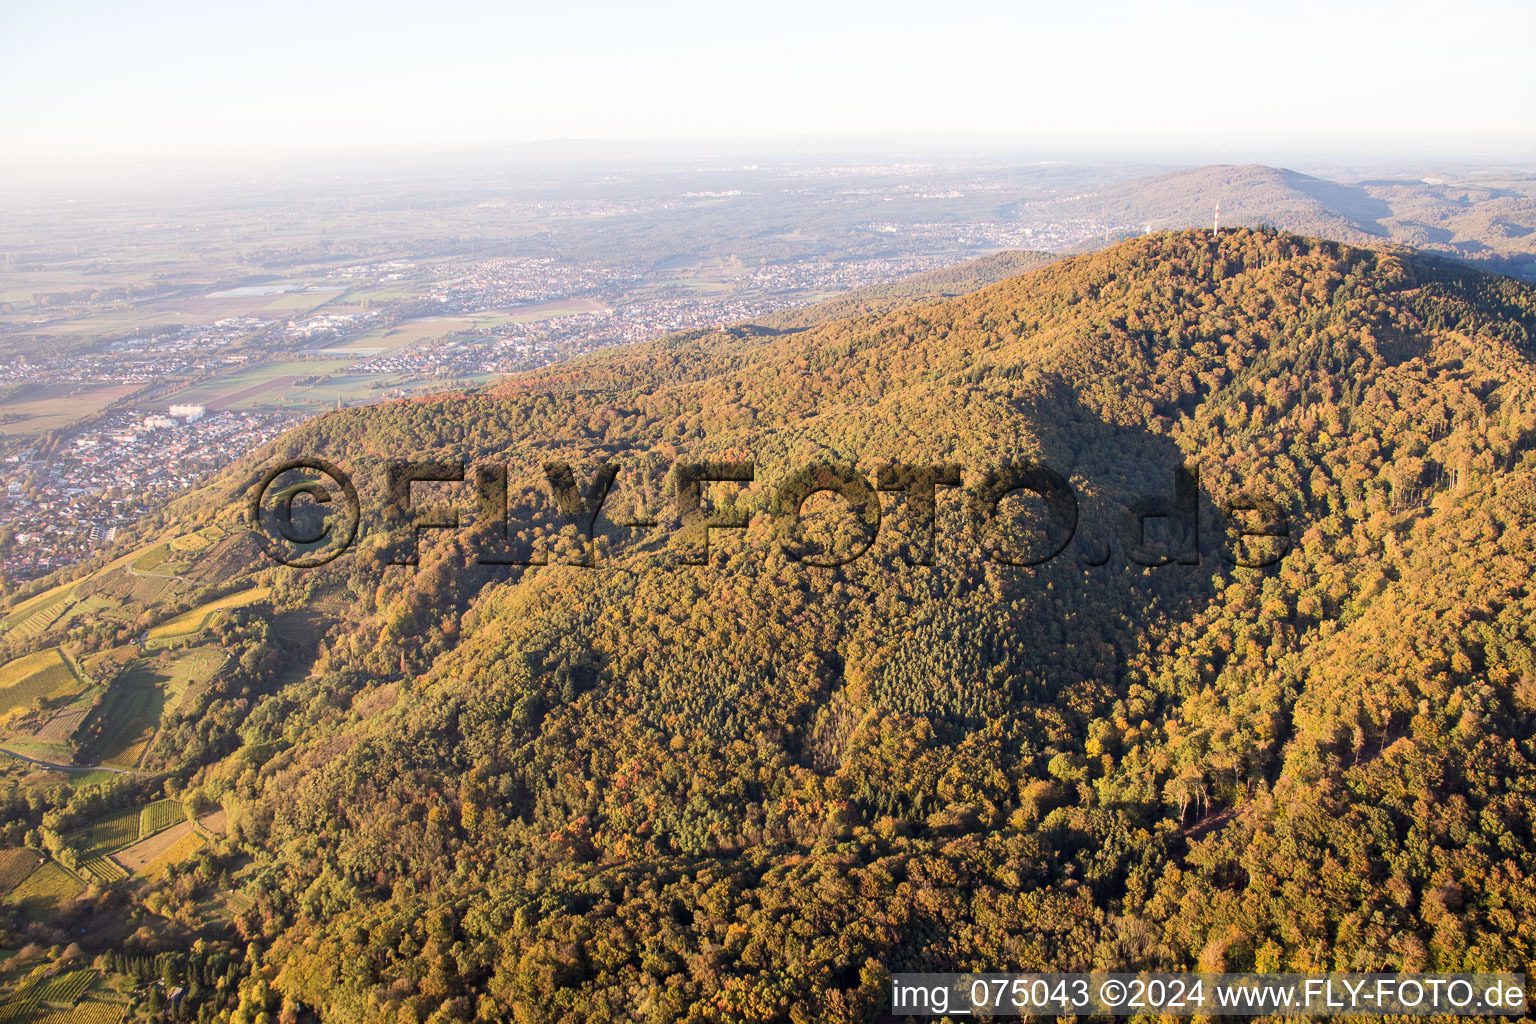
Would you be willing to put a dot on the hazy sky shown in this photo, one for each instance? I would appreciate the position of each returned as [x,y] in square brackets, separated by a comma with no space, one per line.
[102,81]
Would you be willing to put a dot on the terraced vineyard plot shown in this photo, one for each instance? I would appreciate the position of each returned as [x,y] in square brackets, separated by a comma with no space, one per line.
[188,668]
[190,623]
[25,1002]
[32,616]
[151,560]
[161,814]
[89,1011]
[46,675]
[45,890]
[197,541]
[15,866]
[103,868]
[62,725]
[66,987]
[126,719]
[113,832]
[82,610]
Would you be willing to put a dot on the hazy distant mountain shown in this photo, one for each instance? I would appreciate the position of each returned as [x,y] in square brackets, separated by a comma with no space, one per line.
[1491,222]
[1249,195]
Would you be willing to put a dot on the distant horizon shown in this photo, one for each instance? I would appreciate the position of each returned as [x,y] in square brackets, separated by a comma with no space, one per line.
[95,84]
[681,154]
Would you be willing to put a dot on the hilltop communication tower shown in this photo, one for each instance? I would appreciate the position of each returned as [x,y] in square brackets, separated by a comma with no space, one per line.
[1216,226]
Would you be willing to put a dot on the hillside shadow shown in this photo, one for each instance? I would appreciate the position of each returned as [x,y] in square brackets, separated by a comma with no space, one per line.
[1363,210]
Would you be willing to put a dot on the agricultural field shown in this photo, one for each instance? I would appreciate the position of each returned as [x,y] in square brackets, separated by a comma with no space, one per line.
[87,1011]
[188,667]
[190,623]
[160,815]
[127,839]
[35,614]
[93,604]
[263,386]
[132,715]
[149,857]
[62,725]
[150,560]
[50,407]
[15,866]
[103,868]
[104,835]
[44,676]
[64,604]
[433,328]
[113,322]
[128,716]
[45,890]
[196,541]
[40,998]
[66,987]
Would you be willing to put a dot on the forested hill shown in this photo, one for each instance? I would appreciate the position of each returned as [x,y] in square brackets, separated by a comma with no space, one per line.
[752,789]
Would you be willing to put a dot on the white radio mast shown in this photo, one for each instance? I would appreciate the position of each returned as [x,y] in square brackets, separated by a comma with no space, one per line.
[1216,227]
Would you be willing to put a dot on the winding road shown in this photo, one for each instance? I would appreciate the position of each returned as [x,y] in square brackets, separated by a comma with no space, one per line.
[73,767]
